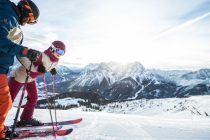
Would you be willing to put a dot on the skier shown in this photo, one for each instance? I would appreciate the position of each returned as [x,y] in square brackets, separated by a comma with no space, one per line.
[11,36]
[46,62]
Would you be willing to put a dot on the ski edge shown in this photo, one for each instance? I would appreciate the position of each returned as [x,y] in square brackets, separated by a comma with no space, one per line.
[62,132]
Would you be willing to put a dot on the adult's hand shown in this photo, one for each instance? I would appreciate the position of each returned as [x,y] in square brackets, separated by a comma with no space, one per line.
[33,55]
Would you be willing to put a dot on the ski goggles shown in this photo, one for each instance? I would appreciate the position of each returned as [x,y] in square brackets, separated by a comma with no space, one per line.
[57,50]
[31,20]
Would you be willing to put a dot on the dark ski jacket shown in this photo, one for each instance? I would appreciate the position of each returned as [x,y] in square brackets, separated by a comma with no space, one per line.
[11,36]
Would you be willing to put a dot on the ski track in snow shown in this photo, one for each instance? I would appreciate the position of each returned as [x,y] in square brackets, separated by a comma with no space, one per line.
[109,126]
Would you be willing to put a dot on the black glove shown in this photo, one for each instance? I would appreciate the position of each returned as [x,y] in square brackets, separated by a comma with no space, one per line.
[41,69]
[53,71]
[33,55]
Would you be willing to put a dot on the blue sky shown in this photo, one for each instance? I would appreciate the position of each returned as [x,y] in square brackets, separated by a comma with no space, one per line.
[164,34]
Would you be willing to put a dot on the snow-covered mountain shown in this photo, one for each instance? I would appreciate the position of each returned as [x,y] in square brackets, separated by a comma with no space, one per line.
[132,81]
[114,81]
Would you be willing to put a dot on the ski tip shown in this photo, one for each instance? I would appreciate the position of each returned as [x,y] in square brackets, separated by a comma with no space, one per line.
[69,131]
[77,120]
[64,132]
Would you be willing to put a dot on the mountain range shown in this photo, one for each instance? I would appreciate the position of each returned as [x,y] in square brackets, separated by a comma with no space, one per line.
[116,82]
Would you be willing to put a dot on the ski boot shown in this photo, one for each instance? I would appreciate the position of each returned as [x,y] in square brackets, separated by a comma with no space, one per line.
[32,122]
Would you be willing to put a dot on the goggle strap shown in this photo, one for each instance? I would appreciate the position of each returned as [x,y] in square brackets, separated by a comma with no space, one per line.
[53,47]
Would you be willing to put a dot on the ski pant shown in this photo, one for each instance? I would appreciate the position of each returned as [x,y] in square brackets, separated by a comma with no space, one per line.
[5,102]
[32,97]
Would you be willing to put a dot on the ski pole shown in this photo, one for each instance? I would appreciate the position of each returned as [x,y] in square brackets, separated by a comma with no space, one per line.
[53,86]
[20,102]
[49,105]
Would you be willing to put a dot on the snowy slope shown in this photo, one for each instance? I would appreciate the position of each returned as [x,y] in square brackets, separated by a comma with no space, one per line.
[156,125]
[105,126]
[185,107]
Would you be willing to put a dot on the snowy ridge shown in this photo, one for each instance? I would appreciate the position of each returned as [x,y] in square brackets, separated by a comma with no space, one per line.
[185,107]
[197,105]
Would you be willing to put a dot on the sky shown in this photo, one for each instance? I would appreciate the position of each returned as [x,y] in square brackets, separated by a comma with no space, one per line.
[160,34]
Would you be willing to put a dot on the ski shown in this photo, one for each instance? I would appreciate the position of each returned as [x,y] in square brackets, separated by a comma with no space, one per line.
[75,121]
[37,129]
[44,133]
[69,122]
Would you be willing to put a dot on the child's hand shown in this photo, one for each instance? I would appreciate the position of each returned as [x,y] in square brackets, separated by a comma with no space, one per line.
[41,69]
[53,71]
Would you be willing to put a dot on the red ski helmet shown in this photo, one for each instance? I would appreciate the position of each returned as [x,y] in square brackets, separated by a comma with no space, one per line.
[58,47]
[28,9]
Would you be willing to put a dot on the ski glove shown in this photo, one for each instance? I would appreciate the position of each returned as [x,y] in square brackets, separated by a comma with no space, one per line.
[53,71]
[41,69]
[33,55]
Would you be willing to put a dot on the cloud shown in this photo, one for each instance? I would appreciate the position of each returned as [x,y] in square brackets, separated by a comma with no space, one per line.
[183,25]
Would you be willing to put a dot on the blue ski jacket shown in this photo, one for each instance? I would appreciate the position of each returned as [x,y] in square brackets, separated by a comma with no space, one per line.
[11,36]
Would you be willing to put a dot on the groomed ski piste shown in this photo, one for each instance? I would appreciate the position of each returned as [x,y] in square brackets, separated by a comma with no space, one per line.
[157,119]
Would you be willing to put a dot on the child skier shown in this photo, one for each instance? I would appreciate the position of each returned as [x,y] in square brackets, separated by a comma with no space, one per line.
[46,62]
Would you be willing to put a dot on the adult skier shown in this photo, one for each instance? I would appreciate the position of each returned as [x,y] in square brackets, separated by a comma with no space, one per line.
[12,16]
[47,61]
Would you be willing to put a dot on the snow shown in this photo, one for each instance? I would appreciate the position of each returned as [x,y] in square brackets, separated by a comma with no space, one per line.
[173,107]
[153,124]
[68,101]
